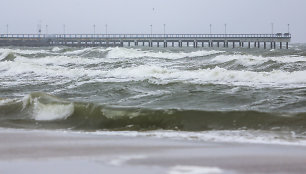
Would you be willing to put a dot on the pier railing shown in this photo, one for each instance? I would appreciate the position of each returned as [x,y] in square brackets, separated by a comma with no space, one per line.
[123,36]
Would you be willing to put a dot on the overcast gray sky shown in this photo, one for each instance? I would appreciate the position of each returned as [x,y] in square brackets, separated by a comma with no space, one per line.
[136,16]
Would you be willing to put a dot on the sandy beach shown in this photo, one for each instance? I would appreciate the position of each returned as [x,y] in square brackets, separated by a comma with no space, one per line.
[40,151]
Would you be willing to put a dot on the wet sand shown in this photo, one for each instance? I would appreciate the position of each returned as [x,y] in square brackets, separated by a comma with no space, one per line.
[25,151]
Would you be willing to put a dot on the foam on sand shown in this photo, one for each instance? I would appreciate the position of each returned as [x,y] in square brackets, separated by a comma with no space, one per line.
[225,136]
[195,170]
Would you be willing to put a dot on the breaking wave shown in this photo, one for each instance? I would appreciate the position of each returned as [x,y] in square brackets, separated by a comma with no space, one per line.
[155,74]
[137,53]
[47,111]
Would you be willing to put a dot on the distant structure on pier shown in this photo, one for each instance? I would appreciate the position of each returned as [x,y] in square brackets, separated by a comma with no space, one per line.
[149,40]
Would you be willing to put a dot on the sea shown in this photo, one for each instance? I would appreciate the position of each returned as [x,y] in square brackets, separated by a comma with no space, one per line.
[199,94]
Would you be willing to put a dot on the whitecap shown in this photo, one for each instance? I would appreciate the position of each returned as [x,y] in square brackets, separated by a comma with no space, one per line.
[137,53]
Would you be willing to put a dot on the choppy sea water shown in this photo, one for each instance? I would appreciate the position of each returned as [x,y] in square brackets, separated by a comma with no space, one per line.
[245,95]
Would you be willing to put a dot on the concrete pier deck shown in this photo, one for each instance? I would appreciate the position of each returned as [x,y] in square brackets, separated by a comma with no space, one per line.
[272,41]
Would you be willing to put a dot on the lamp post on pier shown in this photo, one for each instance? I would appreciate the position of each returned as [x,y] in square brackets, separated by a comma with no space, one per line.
[288,28]
[210,28]
[94,29]
[46,29]
[151,27]
[164,29]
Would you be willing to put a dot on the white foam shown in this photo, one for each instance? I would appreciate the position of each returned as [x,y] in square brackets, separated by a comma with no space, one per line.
[137,53]
[54,109]
[155,74]
[237,136]
[46,112]
[160,75]
[78,52]
[4,54]
[194,170]
[21,51]
[56,49]
[120,160]
[6,101]
[59,60]
[249,60]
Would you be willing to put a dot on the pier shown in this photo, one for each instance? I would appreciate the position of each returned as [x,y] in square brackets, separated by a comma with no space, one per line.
[271,41]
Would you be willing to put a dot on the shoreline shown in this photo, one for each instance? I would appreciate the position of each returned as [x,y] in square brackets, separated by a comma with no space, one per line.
[40,151]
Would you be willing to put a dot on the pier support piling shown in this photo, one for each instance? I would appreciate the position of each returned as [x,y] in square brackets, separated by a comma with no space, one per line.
[274,45]
[265,45]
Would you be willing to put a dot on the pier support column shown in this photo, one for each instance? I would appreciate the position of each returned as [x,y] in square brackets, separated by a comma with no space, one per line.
[258,45]
[233,44]
[274,45]
[249,44]
[157,44]
[287,45]
[187,44]
[143,43]
[242,44]
[280,45]
[195,44]
[211,44]
[121,43]
[271,46]
[226,44]
[202,44]
[129,44]
[172,44]
[180,43]
[255,44]
[265,45]
[218,44]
